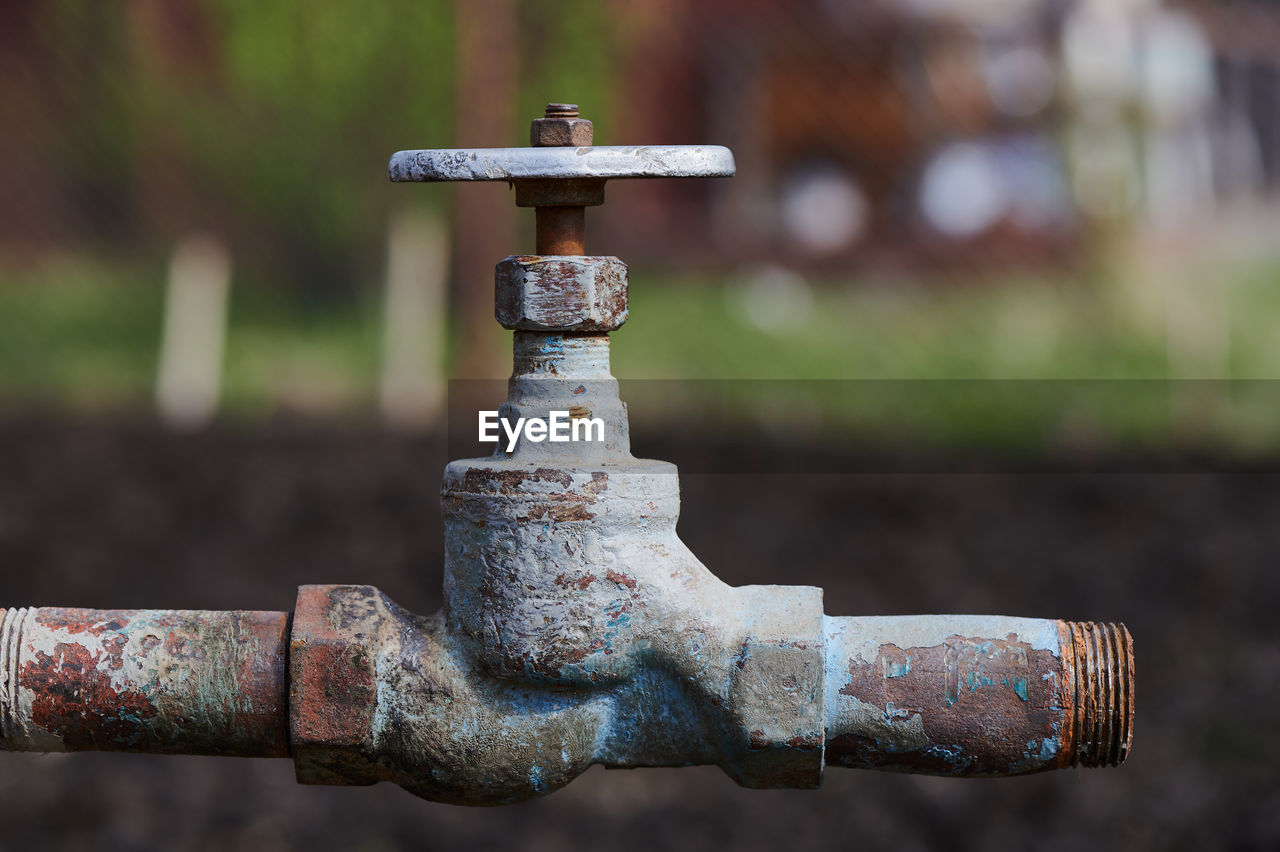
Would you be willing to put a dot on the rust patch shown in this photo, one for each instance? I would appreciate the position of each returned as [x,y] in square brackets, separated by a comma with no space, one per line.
[557,512]
[562,128]
[599,482]
[74,620]
[332,687]
[985,707]
[569,505]
[178,644]
[580,583]
[620,579]
[574,655]
[806,743]
[114,648]
[1101,662]
[480,481]
[560,230]
[165,681]
[550,663]
[75,700]
[147,645]
[617,610]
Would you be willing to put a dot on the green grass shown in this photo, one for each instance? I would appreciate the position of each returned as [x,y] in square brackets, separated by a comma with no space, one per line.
[1015,328]
[80,334]
[1015,362]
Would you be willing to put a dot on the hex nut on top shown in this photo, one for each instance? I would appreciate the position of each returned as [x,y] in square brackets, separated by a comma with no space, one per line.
[546,293]
[561,133]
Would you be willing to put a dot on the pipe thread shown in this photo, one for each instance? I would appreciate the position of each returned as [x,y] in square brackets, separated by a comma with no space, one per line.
[1102,693]
[560,355]
[12,624]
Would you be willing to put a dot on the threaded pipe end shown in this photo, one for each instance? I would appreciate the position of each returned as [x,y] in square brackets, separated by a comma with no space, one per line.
[12,622]
[1102,693]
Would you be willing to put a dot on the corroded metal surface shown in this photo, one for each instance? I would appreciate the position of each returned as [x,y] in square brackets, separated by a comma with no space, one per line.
[535,293]
[332,686]
[564,576]
[557,371]
[383,695]
[560,223]
[561,127]
[560,228]
[977,695]
[1102,692]
[428,723]
[606,162]
[168,681]
[548,196]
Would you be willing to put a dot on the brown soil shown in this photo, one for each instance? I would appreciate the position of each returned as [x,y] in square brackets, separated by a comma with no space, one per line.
[1185,555]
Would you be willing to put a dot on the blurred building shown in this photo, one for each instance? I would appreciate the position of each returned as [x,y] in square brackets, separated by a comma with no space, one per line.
[900,132]
[982,132]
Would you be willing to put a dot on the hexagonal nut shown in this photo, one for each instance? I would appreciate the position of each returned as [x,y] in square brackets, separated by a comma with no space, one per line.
[545,293]
[561,132]
[333,683]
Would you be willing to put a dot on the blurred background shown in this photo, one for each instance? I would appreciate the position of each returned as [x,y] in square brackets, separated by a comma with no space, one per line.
[987,321]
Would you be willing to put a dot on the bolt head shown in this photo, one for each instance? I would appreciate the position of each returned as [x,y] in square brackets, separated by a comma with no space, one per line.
[536,293]
[561,132]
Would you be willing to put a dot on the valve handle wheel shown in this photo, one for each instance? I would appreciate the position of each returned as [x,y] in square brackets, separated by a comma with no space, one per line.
[562,173]
[605,162]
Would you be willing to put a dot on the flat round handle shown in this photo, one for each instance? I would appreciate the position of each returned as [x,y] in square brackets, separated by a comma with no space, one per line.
[604,162]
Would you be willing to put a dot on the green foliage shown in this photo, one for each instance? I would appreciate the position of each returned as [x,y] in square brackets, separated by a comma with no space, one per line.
[78,334]
[570,54]
[272,122]
[309,104]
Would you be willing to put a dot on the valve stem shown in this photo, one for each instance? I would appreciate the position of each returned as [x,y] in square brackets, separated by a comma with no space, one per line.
[560,230]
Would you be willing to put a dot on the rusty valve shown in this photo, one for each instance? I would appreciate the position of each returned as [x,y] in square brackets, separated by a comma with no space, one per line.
[577,628]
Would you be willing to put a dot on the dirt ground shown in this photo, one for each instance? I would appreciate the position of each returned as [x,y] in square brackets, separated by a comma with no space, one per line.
[123,515]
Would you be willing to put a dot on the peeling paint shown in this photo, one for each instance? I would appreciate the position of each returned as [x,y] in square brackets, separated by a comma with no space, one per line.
[166,681]
[975,696]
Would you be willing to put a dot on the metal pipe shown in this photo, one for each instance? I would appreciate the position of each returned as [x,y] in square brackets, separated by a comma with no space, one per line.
[977,695]
[163,681]
[705,674]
